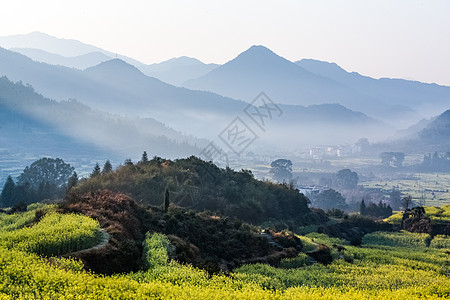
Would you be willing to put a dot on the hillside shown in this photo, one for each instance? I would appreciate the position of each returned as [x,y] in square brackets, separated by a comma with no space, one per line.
[389,265]
[438,131]
[33,126]
[200,185]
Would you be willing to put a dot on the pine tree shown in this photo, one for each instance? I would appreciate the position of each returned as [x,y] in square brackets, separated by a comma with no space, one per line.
[8,193]
[96,171]
[144,158]
[362,208]
[73,181]
[166,200]
[107,167]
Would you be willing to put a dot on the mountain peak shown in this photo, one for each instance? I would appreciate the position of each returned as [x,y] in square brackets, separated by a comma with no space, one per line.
[258,51]
[116,66]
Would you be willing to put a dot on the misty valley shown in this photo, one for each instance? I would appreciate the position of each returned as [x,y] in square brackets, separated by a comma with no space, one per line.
[259,178]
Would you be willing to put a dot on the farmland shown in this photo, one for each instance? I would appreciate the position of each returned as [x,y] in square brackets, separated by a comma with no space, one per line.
[371,271]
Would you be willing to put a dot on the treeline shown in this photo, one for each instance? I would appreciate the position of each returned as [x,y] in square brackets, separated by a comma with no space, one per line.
[435,162]
[380,210]
[46,178]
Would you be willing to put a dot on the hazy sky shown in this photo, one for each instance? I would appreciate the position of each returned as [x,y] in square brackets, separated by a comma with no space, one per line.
[391,38]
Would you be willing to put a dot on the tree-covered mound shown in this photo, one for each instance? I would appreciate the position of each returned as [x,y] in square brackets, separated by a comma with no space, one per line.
[199,185]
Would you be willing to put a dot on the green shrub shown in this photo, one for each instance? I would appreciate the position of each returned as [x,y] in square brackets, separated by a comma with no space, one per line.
[296,262]
[156,250]
[440,242]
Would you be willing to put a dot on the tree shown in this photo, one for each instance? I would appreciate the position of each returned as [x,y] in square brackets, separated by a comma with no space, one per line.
[107,167]
[346,179]
[399,158]
[144,158]
[52,170]
[362,208]
[406,201]
[386,158]
[166,200]
[73,181]
[329,199]
[8,193]
[395,199]
[362,145]
[96,171]
[281,170]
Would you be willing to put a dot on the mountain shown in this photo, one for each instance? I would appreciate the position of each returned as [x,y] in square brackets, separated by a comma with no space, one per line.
[178,70]
[426,99]
[75,54]
[51,44]
[259,69]
[79,62]
[120,88]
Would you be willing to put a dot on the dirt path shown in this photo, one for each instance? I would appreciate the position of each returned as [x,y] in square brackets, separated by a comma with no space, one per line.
[103,242]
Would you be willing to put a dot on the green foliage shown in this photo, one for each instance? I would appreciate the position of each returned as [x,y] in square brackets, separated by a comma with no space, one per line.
[144,158]
[7,197]
[46,170]
[55,234]
[201,185]
[397,239]
[308,243]
[156,250]
[379,211]
[281,170]
[96,171]
[69,263]
[346,179]
[375,273]
[436,214]
[329,199]
[107,167]
[322,238]
[297,262]
[166,200]
[11,222]
[394,158]
[440,241]
[73,181]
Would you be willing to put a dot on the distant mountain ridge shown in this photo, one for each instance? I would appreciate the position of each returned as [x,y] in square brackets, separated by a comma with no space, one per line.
[398,102]
[60,46]
[429,98]
[260,69]
[42,47]
[79,62]
[120,88]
